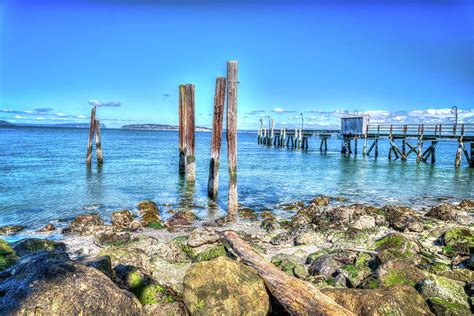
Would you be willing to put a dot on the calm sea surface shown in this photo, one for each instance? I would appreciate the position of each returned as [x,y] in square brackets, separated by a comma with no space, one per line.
[43,176]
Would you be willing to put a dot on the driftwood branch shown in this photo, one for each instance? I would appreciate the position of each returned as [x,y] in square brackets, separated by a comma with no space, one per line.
[297,296]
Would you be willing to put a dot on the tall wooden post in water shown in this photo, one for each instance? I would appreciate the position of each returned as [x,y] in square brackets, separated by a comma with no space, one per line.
[182,129]
[98,144]
[216,138]
[91,137]
[190,130]
[233,202]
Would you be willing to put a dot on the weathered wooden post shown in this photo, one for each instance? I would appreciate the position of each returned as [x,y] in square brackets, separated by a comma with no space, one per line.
[232,80]
[420,144]
[182,129]
[272,136]
[190,131]
[471,161]
[98,144]
[457,163]
[91,137]
[216,138]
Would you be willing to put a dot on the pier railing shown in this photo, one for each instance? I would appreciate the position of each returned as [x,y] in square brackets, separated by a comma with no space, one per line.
[454,131]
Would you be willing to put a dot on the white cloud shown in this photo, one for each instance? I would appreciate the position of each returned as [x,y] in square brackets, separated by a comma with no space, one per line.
[278,110]
[100,103]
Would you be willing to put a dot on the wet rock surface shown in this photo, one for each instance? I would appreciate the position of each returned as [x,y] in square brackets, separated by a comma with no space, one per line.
[372,260]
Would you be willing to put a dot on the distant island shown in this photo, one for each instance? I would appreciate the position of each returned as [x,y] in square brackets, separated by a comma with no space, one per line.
[5,123]
[160,127]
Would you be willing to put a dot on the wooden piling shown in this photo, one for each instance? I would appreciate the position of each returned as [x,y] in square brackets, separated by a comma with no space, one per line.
[98,144]
[216,138]
[190,134]
[91,137]
[457,163]
[182,129]
[232,80]
[471,160]
[433,151]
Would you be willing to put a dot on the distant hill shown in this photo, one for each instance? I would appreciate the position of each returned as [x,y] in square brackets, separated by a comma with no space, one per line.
[5,123]
[65,125]
[160,127]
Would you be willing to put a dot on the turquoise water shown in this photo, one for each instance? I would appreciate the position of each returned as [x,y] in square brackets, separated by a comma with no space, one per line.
[43,176]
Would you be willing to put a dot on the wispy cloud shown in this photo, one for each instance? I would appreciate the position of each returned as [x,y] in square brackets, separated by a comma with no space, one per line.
[101,104]
[279,110]
[255,112]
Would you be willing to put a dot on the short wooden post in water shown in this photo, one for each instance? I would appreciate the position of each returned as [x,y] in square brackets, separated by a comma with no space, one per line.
[471,161]
[190,131]
[91,137]
[216,138]
[232,202]
[98,144]
[182,129]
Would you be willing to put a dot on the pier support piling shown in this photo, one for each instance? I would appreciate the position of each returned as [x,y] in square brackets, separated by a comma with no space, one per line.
[182,129]
[91,137]
[232,80]
[216,138]
[190,134]
[98,144]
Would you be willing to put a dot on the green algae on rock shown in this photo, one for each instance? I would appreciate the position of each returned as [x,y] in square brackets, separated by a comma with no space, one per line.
[148,211]
[30,245]
[7,255]
[459,240]
[439,290]
[11,229]
[233,289]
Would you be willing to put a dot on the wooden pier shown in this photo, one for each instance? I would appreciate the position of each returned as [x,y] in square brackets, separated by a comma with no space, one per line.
[411,138]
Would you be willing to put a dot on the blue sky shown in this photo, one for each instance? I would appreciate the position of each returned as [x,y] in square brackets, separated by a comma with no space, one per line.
[400,61]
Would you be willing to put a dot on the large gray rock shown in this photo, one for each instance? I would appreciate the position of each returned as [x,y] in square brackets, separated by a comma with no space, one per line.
[402,218]
[85,224]
[48,283]
[444,212]
[224,287]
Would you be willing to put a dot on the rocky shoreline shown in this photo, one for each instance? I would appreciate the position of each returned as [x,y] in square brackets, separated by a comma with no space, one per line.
[370,260]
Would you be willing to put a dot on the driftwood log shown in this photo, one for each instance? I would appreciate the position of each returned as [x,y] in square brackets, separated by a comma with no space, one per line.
[297,296]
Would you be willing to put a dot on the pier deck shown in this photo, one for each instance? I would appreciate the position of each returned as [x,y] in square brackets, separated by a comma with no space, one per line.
[419,133]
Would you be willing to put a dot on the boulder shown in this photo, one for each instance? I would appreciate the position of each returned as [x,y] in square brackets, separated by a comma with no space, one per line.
[444,212]
[458,241]
[231,289]
[394,300]
[7,255]
[402,218]
[85,224]
[182,218]
[463,275]
[325,265]
[320,201]
[364,222]
[122,219]
[248,214]
[114,239]
[46,229]
[467,204]
[395,246]
[28,246]
[103,264]
[290,265]
[48,283]
[10,230]
[398,273]
[148,212]
[148,291]
[269,225]
[445,295]
[202,236]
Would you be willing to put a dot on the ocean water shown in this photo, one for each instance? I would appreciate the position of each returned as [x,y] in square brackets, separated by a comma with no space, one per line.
[44,178]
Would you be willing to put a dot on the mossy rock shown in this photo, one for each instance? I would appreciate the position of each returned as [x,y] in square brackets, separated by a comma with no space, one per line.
[355,274]
[285,262]
[210,253]
[156,225]
[7,255]
[444,289]
[10,229]
[395,246]
[443,307]
[112,239]
[463,275]
[148,211]
[315,255]
[458,241]
[31,245]
[248,214]
[147,291]
[224,287]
